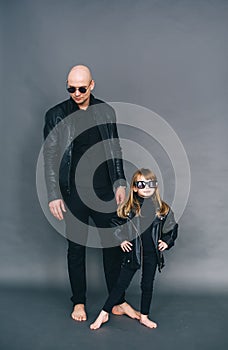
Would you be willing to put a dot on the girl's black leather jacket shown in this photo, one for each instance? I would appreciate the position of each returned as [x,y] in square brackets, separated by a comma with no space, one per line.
[163,227]
[60,130]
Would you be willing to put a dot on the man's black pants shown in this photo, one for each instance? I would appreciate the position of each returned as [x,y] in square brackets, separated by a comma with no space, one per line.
[77,219]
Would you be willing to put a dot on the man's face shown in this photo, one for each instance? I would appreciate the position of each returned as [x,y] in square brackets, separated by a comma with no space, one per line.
[77,80]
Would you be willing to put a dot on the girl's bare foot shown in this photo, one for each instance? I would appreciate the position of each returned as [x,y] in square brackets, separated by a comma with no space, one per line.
[126,309]
[79,313]
[146,322]
[102,318]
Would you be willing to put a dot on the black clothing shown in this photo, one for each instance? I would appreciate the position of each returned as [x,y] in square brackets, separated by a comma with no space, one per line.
[77,270]
[77,234]
[164,227]
[146,238]
[69,133]
[122,284]
[81,145]
[78,212]
[61,128]
[149,267]
[150,256]
[148,214]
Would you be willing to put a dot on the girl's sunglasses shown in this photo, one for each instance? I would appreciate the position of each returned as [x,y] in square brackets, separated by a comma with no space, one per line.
[142,184]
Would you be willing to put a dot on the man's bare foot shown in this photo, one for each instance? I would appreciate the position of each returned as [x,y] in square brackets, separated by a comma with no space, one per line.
[79,313]
[146,322]
[126,309]
[102,318]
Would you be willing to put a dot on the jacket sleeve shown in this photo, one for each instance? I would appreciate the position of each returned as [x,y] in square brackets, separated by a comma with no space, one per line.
[120,228]
[119,179]
[169,230]
[51,154]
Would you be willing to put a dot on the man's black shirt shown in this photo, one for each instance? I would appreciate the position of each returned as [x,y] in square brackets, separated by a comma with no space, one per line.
[88,149]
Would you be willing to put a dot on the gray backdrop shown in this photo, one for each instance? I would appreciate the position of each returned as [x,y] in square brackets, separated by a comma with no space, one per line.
[168,56]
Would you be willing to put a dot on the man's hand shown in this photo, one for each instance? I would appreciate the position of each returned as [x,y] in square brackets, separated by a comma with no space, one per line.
[56,208]
[120,195]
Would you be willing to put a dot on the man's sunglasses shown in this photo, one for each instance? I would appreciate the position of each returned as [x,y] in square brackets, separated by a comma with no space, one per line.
[81,89]
[142,184]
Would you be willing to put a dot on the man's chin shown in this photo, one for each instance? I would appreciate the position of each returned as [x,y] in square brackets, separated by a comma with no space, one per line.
[79,102]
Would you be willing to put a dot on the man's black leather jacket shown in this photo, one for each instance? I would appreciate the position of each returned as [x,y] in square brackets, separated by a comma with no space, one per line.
[163,227]
[60,130]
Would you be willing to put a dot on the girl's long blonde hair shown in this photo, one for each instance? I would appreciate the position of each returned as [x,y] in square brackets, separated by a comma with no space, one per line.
[132,202]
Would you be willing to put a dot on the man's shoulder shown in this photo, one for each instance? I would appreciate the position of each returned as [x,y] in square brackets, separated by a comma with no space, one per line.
[103,106]
[62,109]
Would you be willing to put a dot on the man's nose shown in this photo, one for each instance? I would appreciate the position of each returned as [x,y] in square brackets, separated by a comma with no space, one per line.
[77,92]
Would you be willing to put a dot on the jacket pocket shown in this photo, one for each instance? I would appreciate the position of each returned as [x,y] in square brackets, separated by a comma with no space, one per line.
[161,261]
[132,259]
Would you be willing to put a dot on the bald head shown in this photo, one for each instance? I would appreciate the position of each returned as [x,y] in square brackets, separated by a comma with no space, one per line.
[80,76]
[80,72]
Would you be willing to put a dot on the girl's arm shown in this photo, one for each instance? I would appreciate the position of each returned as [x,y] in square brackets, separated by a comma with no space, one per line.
[120,230]
[169,230]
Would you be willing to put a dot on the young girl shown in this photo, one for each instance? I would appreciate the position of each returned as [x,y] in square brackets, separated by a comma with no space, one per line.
[145,228]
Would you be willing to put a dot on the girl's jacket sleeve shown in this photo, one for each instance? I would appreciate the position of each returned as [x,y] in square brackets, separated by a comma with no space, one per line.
[169,230]
[120,229]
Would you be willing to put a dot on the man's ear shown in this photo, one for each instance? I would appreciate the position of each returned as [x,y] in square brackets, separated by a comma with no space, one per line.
[92,85]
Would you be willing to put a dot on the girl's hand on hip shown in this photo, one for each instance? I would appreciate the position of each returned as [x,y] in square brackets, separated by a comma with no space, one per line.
[126,246]
[162,245]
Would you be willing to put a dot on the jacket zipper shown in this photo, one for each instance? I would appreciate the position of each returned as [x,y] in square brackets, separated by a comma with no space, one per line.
[140,239]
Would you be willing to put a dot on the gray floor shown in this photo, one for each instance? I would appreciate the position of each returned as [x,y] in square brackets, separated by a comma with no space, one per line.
[39,319]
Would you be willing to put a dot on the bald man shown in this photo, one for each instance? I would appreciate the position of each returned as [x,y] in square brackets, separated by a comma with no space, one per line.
[64,147]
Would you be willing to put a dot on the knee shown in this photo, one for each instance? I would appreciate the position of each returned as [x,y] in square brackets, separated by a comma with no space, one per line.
[125,277]
[75,250]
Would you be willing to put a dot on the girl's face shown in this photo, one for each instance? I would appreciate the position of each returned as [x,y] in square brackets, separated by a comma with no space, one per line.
[144,192]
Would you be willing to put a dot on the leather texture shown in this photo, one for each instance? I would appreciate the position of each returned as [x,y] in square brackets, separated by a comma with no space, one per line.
[59,133]
[164,228]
